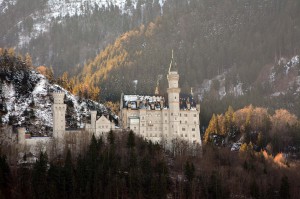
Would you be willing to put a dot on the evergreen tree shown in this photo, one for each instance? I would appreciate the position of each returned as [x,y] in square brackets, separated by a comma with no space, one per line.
[68,176]
[39,177]
[5,177]
[284,191]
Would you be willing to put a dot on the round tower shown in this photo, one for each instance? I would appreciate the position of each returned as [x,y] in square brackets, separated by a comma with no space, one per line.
[173,90]
[173,99]
[59,115]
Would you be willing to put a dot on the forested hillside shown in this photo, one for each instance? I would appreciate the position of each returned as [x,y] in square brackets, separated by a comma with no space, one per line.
[242,39]
[26,97]
[122,165]
[65,34]
[208,37]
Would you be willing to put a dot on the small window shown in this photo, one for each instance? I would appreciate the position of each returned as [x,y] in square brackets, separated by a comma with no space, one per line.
[183,129]
[195,115]
[193,135]
[185,135]
[193,129]
[171,114]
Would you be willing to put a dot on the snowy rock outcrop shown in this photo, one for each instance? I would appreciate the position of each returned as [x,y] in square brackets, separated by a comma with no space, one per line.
[30,106]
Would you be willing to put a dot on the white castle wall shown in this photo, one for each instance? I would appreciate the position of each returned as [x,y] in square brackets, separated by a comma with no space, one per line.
[164,123]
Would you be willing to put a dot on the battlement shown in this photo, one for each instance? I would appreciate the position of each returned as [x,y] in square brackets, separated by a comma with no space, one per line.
[58,97]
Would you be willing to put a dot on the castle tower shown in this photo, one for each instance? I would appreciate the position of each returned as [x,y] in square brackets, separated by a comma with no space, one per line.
[173,98]
[173,90]
[93,120]
[59,115]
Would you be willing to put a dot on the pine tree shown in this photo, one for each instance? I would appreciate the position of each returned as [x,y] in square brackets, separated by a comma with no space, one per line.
[39,177]
[284,191]
[68,176]
[5,177]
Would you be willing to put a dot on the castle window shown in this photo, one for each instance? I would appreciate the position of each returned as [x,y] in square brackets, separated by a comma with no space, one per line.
[171,114]
[195,115]
[185,115]
[185,135]
[193,129]
[183,129]
[193,135]
[142,124]
[180,121]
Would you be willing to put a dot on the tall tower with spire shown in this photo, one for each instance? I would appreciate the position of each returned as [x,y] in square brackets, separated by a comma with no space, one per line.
[173,98]
[173,90]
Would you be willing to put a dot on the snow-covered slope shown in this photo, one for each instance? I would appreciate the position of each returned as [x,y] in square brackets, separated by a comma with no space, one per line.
[281,78]
[58,10]
[218,85]
[32,108]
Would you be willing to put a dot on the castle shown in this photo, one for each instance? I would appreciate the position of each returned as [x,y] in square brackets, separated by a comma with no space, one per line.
[61,135]
[149,117]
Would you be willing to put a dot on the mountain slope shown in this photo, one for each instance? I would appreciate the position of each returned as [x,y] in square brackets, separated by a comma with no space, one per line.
[66,33]
[26,98]
[243,39]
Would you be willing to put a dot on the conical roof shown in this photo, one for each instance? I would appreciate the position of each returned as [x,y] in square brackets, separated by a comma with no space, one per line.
[173,64]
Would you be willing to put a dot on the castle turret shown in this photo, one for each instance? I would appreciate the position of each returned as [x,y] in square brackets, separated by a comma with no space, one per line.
[173,98]
[93,120]
[59,115]
[21,135]
[173,90]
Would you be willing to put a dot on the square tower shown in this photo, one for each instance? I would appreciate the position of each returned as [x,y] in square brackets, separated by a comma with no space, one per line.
[59,115]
